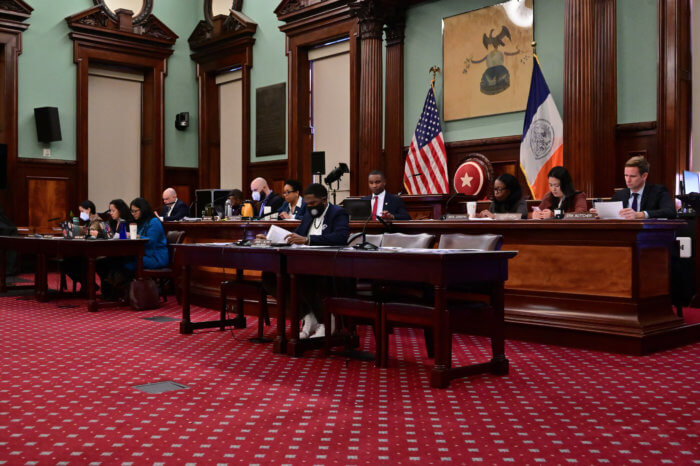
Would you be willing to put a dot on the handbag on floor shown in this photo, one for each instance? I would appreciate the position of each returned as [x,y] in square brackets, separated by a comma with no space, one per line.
[143,294]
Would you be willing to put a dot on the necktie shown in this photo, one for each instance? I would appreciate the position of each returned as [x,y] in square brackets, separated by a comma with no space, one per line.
[634,201]
[374,207]
[262,208]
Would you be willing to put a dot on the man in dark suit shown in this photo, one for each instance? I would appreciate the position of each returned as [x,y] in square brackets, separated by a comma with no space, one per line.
[384,204]
[323,223]
[266,196]
[173,208]
[641,200]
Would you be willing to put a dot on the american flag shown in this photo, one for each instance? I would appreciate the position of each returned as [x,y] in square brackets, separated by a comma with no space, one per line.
[425,171]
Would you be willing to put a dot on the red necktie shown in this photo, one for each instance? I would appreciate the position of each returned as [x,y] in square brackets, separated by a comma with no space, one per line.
[374,208]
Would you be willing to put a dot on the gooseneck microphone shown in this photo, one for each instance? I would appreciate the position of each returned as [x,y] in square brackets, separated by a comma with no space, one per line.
[364,245]
[447,204]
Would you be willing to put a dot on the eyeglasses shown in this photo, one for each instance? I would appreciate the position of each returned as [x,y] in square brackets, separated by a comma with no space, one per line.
[288,192]
[554,185]
[135,211]
[498,190]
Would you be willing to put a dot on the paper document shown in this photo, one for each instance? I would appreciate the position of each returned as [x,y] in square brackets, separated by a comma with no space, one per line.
[277,235]
[608,210]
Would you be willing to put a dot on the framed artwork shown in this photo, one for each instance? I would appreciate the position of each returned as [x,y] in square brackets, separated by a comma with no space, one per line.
[487,60]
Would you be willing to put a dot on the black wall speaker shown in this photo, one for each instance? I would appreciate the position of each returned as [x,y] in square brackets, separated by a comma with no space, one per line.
[3,166]
[48,127]
[182,121]
[318,163]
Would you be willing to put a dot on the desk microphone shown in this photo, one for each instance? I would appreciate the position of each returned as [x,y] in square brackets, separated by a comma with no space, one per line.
[388,226]
[244,241]
[444,216]
[56,218]
[364,245]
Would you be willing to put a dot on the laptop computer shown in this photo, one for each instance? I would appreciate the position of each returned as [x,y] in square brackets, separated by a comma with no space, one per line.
[358,209]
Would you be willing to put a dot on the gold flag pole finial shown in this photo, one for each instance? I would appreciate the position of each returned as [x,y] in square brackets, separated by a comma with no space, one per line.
[434,69]
[534,47]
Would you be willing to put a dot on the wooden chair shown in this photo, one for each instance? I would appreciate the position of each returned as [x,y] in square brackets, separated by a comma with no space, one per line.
[243,289]
[460,302]
[366,309]
[167,274]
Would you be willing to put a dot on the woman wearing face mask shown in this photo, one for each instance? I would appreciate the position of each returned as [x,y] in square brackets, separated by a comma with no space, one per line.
[507,198]
[120,217]
[561,196]
[91,225]
[91,222]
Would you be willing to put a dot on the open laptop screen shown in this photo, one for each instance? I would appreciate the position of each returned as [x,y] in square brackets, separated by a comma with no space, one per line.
[358,209]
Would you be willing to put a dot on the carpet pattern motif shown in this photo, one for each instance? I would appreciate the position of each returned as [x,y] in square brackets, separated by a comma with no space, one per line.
[67,397]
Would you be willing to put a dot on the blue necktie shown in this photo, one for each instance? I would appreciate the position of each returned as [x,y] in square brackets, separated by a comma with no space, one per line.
[262,208]
[634,201]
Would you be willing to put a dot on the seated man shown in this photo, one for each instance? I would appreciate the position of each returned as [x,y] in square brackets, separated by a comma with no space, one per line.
[384,204]
[266,196]
[322,224]
[235,197]
[173,208]
[641,200]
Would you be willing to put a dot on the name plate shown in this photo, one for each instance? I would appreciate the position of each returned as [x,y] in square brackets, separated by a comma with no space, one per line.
[456,217]
[579,215]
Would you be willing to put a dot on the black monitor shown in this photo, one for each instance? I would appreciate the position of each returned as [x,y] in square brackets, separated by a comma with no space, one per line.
[213,197]
[691,182]
[359,209]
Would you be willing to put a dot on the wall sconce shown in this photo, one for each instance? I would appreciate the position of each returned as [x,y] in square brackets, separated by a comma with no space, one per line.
[182,121]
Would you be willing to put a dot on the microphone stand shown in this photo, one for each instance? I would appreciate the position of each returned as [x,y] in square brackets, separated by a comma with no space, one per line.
[447,204]
[364,245]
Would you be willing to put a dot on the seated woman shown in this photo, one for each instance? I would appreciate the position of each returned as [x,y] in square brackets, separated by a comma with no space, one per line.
[561,196]
[116,272]
[507,198]
[294,206]
[91,225]
[120,218]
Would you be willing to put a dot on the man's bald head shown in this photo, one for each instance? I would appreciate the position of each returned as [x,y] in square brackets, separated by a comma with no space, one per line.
[169,196]
[260,184]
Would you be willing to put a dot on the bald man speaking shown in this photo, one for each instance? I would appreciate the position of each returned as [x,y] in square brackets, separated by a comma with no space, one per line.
[173,208]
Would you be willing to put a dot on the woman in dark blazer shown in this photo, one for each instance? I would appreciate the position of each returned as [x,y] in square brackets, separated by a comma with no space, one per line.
[120,217]
[561,196]
[507,198]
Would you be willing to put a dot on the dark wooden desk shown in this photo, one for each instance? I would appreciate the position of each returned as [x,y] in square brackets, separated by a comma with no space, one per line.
[441,269]
[235,257]
[597,284]
[44,248]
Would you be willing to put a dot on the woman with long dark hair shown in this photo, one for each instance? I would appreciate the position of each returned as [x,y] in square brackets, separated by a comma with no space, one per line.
[507,198]
[561,196]
[156,254]
[119,219]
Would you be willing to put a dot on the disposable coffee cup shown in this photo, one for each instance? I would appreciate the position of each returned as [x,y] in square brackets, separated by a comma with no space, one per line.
[133,230]
[471,209]
[267,209]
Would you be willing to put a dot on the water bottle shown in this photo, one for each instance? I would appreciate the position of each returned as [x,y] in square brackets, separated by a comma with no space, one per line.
[229,210]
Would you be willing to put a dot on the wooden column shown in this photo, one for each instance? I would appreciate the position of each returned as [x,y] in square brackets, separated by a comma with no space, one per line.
[371,80]
[674,88]
[393,107]
[590,95]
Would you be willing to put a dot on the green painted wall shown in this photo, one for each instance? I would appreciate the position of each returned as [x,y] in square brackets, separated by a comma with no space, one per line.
[47,77]
[637,60]
[269,58]
[47,72]
[424,49]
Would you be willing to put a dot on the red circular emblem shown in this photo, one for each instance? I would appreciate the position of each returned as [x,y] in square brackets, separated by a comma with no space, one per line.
[469,179]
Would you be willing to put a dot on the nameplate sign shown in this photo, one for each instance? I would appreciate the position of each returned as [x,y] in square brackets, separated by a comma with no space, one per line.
[579,215]
[456,217]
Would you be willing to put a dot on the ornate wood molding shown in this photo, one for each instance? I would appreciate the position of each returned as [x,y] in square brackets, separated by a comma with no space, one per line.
[288,10]
[97,21]
[144,47]
[234,26]
[15,10]
[674,88]
[590,94]
[12,15]
[140,17]
[221,43]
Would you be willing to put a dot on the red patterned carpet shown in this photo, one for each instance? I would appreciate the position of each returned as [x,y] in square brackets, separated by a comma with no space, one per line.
[67,397]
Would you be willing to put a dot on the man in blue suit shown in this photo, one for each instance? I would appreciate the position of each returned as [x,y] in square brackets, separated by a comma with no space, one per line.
[384,204]
[323,223]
